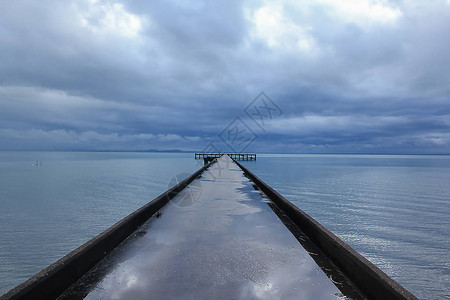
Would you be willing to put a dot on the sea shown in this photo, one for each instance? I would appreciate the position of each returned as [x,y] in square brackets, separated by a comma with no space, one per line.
[393,209]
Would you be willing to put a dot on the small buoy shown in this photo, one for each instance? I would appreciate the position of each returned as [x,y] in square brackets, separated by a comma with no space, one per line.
[158,214]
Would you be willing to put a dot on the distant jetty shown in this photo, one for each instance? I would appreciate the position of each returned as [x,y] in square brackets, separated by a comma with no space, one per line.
[235,156]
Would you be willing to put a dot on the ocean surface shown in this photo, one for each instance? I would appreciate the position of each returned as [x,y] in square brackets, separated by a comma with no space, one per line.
[394,210]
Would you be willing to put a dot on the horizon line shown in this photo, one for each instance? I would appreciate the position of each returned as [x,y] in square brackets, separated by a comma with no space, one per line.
[253,152]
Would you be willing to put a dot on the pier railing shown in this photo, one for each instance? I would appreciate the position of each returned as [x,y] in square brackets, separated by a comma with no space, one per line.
[236,156]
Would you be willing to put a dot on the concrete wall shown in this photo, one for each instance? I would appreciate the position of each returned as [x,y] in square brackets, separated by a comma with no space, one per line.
[55,279]
[373,282]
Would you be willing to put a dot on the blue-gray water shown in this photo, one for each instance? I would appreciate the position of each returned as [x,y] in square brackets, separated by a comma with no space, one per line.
[47,211]
[395,210]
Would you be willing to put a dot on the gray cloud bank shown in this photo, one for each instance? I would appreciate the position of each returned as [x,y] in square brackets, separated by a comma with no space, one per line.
[350,76]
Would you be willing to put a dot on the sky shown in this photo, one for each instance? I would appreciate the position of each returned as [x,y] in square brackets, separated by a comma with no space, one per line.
[303,76]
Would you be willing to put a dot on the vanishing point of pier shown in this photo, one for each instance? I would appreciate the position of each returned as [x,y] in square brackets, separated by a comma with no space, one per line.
[237,156]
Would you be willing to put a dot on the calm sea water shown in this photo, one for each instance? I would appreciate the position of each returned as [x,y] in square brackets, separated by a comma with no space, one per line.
[47,211]
[395,210]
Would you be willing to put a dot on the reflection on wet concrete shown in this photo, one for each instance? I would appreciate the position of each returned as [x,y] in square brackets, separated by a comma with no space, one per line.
[228,245]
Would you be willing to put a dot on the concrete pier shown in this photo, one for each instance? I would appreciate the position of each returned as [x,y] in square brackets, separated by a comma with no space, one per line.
[220,233]
[217,239]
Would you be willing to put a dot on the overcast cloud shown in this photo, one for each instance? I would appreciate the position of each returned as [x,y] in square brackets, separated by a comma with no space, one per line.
[349,76]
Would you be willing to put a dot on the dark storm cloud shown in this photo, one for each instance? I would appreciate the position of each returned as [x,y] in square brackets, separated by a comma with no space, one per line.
[368,76]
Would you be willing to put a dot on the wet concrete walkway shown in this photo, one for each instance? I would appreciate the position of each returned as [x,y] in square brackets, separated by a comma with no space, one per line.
[217,239]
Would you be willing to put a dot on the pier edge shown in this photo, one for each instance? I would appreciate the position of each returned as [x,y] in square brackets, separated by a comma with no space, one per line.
[372,281]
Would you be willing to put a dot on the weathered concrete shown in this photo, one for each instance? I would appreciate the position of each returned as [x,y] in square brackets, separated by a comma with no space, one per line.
[53,280]
[227,245]
[373,282]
